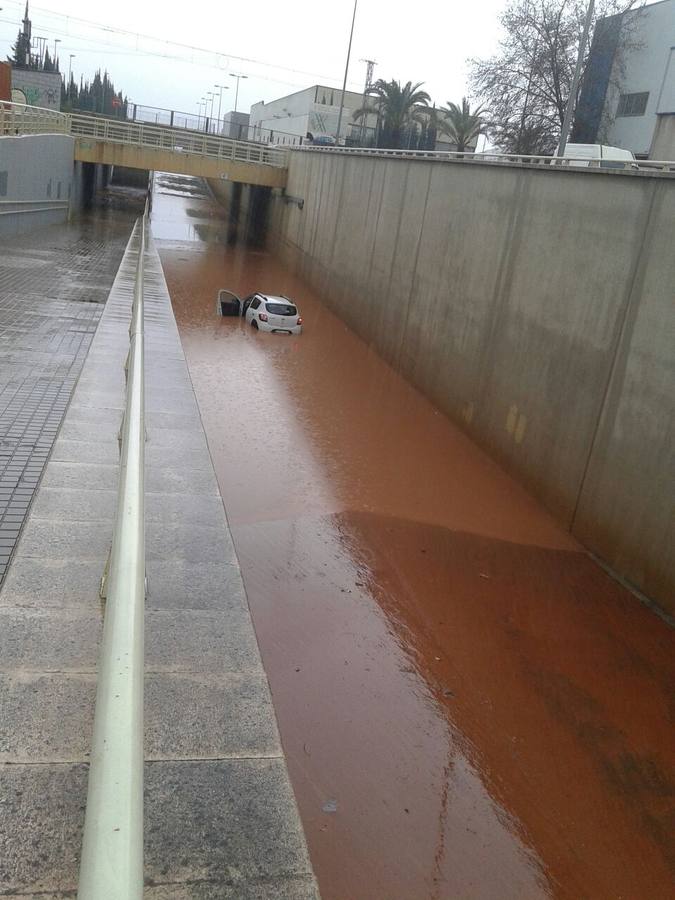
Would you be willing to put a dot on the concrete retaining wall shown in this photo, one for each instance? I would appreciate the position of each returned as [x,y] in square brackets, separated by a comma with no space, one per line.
[36,173]
[534,307]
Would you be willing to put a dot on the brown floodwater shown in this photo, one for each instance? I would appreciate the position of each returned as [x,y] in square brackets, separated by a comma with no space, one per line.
[470,706]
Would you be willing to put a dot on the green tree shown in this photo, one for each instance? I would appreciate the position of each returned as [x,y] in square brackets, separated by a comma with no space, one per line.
[20,55]
[98,96]
[399,111]
[461,125]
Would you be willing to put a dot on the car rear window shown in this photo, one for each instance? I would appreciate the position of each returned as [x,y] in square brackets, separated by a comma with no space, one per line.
[281,309]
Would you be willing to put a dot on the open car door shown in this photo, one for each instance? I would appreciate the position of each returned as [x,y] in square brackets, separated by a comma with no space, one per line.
[228,303]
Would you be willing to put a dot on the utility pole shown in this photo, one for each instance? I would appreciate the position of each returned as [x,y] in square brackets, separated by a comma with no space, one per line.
[572,99]
[370,66]
[344,83]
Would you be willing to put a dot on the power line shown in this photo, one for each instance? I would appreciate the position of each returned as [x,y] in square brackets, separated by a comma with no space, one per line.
[85,44]
[167,42]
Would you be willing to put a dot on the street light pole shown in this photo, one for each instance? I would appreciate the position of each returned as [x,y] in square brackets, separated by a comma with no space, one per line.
[344,83]
[222,87]
[572,99]
[209,96]
[236,95]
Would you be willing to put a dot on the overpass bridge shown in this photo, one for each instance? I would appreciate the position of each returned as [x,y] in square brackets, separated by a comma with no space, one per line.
[135,145]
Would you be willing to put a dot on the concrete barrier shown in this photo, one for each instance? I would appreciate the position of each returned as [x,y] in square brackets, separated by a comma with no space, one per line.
[36,173]
[533,307]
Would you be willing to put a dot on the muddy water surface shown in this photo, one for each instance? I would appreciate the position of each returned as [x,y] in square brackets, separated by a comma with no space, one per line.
[470,707]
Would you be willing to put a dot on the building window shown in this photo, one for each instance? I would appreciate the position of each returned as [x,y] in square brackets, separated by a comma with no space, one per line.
[632,104]
[3,184]
[49,188]
[58,191]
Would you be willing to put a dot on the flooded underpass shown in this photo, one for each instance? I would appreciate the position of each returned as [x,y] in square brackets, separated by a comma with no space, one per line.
[470,707]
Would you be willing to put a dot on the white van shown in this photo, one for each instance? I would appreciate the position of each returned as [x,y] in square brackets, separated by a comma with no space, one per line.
[608,157]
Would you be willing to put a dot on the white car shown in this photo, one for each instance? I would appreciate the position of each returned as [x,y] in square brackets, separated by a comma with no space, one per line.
[266,312]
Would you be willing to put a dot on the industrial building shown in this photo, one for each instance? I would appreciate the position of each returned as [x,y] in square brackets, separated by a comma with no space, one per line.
[628,93]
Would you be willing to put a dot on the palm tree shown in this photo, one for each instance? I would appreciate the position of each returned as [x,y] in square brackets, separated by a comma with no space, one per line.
[398,108]
[461,125]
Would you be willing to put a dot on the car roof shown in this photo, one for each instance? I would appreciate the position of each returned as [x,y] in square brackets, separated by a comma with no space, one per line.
[276,298]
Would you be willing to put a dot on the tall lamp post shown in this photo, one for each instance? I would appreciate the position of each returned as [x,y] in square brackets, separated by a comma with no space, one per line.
[211,95]
[56,41]
[203,101]
[221,87]
[70,66]
[344,83]
[236,94]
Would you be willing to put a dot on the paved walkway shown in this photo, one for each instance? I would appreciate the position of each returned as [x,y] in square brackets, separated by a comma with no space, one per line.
[53,285]
[221,819]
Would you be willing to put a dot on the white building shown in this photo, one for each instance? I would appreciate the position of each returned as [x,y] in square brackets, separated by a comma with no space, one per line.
[628,94]
[313,111]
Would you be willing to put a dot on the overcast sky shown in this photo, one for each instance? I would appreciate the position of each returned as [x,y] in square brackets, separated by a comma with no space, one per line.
[287,45]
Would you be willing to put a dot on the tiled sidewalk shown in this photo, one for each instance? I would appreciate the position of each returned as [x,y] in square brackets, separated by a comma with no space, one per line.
[53,286]
[221,821]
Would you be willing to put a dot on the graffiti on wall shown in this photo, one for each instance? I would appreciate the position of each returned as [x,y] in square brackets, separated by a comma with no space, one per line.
[32,95]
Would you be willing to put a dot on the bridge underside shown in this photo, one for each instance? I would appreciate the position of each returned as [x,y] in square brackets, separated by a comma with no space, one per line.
[163,160]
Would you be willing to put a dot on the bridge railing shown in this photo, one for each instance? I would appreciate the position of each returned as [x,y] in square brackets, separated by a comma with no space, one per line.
[18,118]
[175,140]
[648,165]
[111,867]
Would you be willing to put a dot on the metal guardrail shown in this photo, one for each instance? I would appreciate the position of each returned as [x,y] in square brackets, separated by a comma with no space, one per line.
[638,165]
[111,866]
[17,118]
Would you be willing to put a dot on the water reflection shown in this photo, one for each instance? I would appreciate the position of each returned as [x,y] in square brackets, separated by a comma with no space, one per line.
[487,709]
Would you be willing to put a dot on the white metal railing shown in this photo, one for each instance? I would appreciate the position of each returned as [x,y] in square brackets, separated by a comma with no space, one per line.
[17,118]
[111,867]
[493,157]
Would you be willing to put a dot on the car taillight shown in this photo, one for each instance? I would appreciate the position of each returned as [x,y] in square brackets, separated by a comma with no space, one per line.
[299,320]
[263,317]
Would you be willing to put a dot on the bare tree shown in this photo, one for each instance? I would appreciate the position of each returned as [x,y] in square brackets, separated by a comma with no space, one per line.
[525,85]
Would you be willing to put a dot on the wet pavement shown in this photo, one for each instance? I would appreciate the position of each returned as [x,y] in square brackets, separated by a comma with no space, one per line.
[470,706]
[53,286]
[220,815]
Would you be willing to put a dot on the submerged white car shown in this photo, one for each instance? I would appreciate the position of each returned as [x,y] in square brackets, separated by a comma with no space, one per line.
[269,313]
